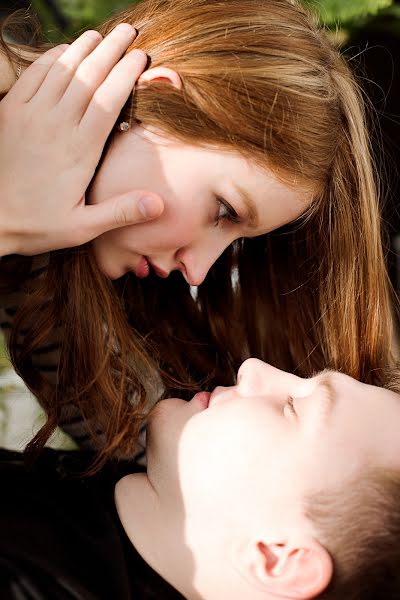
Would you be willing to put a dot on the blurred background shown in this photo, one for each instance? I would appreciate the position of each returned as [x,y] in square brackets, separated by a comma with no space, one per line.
[368,32]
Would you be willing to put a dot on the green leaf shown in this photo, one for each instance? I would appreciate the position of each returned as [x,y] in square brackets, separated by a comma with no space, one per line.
[334,11]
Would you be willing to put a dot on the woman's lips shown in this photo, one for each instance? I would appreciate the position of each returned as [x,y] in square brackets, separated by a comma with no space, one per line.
[142,269]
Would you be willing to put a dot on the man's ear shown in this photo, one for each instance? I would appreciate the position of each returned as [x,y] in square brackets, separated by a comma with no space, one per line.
[290,570]
[161,73]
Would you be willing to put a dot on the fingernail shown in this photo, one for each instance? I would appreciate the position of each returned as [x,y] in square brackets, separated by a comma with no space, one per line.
[125,27]
[150,206]
[93,34]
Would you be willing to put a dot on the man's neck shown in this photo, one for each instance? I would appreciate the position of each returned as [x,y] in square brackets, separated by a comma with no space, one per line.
[155,534]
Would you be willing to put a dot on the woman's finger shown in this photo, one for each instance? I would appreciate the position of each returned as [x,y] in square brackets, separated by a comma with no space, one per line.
[96,67]
[111,96]
[64,69]
[32,78]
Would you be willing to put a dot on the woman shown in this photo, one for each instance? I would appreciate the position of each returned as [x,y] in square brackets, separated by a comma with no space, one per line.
[247,113]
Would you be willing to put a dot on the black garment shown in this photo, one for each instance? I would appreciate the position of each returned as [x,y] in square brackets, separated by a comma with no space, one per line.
[60,536]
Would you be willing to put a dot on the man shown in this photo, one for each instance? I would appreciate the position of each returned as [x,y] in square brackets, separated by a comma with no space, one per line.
[279,487]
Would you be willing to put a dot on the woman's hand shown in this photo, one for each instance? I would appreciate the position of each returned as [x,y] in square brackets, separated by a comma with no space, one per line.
[53,126]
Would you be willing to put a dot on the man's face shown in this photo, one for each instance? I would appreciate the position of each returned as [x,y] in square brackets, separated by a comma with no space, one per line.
[207,195]
[251,453]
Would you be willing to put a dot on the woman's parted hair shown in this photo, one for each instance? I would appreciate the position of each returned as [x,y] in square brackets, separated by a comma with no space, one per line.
[260,78]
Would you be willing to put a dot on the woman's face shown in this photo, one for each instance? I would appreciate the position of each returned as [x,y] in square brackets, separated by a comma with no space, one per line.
[211,198]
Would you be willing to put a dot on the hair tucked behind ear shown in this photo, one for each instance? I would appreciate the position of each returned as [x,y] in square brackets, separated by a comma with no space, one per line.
[259,78]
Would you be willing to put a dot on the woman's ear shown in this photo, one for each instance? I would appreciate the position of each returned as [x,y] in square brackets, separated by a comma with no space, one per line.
[161,73]
[297,571]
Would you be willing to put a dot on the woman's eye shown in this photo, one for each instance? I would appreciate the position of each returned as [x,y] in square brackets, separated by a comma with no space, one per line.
[225,212]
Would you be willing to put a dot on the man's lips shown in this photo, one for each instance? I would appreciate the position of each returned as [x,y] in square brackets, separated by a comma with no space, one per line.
[203,398]
[142,269]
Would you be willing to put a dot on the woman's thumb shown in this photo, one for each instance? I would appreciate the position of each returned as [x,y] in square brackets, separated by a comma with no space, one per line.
[137,206]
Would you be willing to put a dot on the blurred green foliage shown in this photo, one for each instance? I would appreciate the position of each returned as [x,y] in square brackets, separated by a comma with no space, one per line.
[78,14]
[88,11]
[347,11]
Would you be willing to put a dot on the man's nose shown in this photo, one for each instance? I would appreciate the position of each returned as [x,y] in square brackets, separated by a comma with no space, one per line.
[250,377]
[196,261]
[257,377]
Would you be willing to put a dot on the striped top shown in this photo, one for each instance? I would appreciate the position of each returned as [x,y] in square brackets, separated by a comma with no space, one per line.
[46,360]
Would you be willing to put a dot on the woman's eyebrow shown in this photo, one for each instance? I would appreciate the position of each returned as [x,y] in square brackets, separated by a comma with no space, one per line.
[251,216]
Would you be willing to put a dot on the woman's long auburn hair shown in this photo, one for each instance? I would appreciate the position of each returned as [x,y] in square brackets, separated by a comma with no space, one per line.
[260,78]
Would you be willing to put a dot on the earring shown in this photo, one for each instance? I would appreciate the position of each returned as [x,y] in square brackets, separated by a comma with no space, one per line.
[124,126]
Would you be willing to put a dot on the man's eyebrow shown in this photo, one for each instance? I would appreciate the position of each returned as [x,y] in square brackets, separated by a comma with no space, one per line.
[324,380]
[251,216]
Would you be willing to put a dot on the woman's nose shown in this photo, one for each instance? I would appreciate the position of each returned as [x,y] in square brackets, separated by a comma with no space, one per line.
[194,275]
[196,261]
